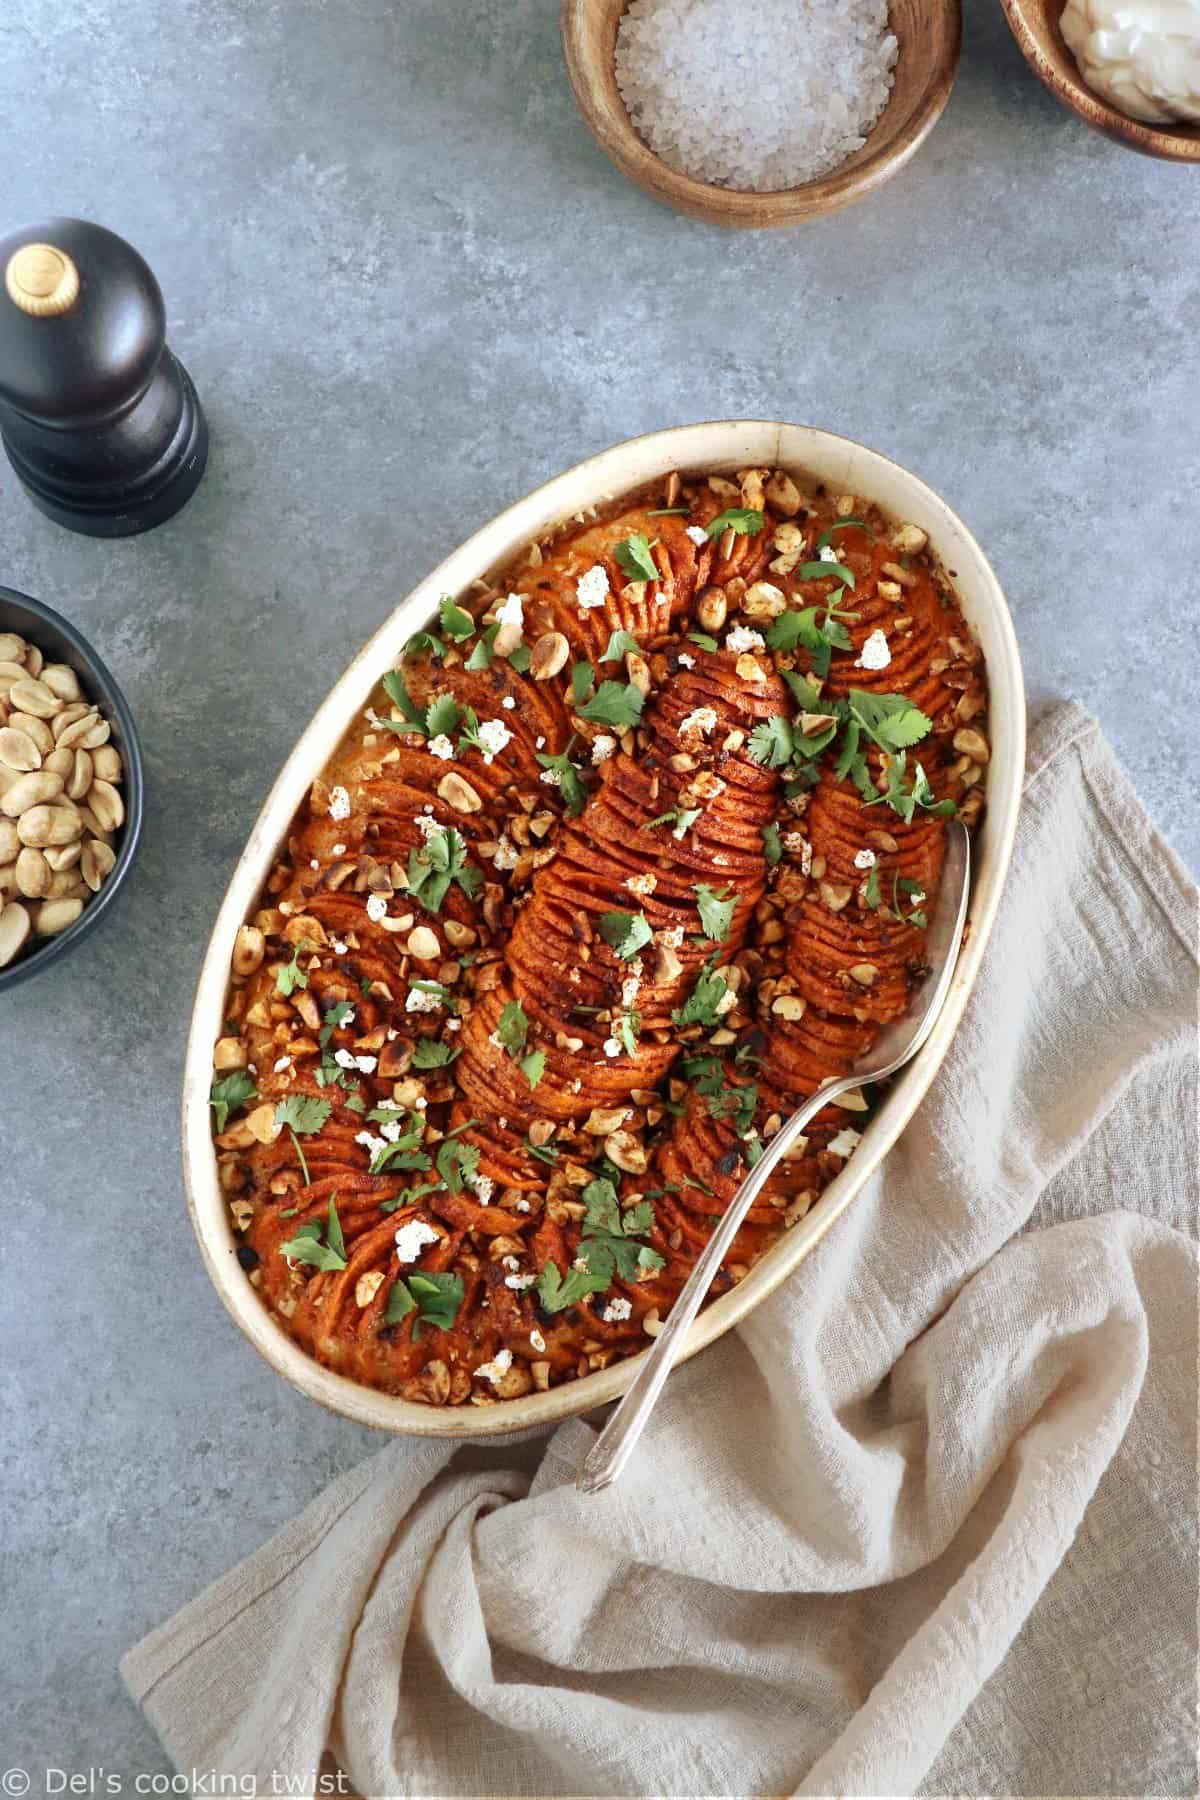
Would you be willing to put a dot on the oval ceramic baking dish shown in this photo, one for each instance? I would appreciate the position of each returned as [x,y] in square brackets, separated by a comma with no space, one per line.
[723,446]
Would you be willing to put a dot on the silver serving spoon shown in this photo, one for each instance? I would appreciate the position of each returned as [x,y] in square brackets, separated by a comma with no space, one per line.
[893,1047]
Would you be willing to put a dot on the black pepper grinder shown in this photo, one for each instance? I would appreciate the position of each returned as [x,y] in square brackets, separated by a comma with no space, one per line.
[100,422]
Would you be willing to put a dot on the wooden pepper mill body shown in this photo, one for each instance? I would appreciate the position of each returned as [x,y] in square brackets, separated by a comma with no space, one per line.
[100,421]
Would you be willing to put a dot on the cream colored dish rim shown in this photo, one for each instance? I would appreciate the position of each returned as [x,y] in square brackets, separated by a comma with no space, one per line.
[722,445]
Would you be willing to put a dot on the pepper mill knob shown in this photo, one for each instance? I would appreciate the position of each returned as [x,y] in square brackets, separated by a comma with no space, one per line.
[100,421]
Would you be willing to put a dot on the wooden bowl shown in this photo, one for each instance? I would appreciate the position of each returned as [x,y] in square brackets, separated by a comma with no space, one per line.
[1035,26]
[848,468]
[928,32]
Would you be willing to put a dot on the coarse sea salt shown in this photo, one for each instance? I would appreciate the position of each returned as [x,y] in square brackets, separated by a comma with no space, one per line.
[756,97]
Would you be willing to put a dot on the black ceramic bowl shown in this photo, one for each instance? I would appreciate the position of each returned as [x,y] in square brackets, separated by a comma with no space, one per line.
[59,641]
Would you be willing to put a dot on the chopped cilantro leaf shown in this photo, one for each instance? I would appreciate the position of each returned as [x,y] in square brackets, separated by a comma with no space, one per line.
[614,703]
[513,1028]
[422,641]
[481,655]
[333,1230]
[771,742]
[437,862]
[399,1304]
[681,817]
[745,520]
[621,643]
[455,622]
[229,1093]
[442,716]
[582,678]
[398,694]
[636,559]
[627,933]
[303,1113]
[826,537]
[292,976]
[455,1161]
[568,782]
[701,1005]
[818,571]
[705,641]
[431,1053]
[890,719]
[772,847]
[716,911]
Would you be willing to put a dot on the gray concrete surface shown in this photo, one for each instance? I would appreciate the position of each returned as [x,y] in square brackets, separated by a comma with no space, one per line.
[409,288]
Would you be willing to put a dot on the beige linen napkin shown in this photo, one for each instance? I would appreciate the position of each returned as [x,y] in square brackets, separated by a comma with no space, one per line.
[923,1523]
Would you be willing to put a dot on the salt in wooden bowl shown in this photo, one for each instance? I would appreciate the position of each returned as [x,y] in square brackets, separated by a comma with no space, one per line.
[928,32]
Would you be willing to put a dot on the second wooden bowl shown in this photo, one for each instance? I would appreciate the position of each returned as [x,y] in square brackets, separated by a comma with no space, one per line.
[929,33]
[1035,26]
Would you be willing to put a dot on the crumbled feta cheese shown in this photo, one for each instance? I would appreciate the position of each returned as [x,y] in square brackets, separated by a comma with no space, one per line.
[366,1064]
[313,863]
[441,746]
[453,1024]
[375,1145]
[536,1340]
[524,1206]
[339,948]
[722,862]
[507,855]
[512,611]
[339,803]
[592,589]
[697,534]
[845,1141]
[420,1000]
[641,885]
[617,1310]
[742,638]
[874,653]
[285,1062]
[629,990]
[338,850]
[508,702]
[798,845]
[519,1283]
[493,735]
[827,553]
[539,742]
[497,1369]
[376,907]
[865,859]
[612,1046]
[427,825]
[603,747]
[344,1059]
[390,1130]
[672,937]
[552,777]
[412,1237]
[703,719]
[916,899]
[482,1186]
[685,660]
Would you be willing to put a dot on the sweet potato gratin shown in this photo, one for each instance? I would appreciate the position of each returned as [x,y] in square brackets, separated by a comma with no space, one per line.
[629,853]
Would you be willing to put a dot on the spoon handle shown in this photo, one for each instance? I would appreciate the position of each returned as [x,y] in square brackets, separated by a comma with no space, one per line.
[616,1442]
